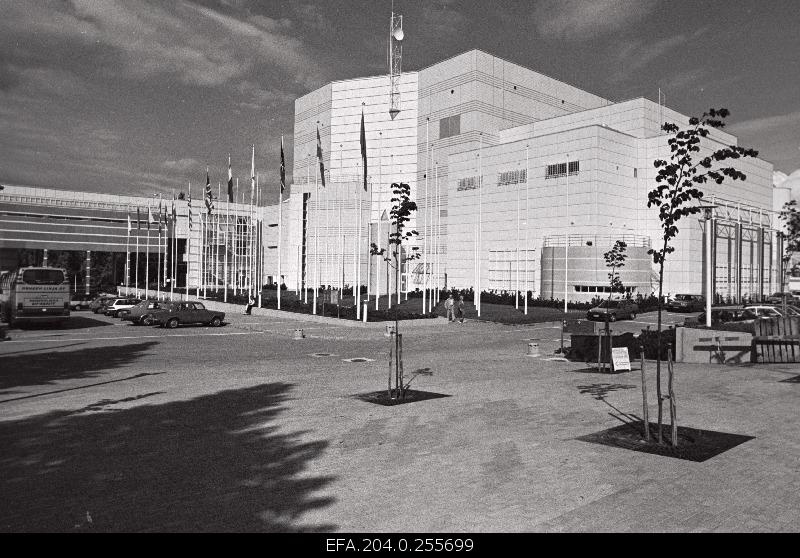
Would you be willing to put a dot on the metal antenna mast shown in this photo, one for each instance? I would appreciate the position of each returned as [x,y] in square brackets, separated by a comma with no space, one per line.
[395,62]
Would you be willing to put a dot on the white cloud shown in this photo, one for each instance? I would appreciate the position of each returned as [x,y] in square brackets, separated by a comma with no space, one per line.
[581,19]
[198,45]
[766,124]
[182,165]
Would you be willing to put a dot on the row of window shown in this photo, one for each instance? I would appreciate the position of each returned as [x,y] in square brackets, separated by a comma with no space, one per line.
[512,177]
[562,169]
[599,289]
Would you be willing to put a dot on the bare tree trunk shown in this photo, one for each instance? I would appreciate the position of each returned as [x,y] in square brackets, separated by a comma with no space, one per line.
[645,413]
[400,350]
[658,347]
[672,407]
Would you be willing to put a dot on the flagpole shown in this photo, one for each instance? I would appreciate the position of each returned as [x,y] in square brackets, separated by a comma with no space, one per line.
[138,225]
[259,246]
[174,249]
[425,222]
[147,255]
[308,212]
[378,220]
[281,186]
[357,255]
[340,188]
[527,223]
[480,220]
[225,254]
[316,237]
[166,251]
[158,255]
[438,232]
[236,262]
[516,294]
[128,255]
[566,244]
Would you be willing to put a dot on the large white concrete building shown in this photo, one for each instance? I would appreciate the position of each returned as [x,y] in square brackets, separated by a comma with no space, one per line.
[500,149]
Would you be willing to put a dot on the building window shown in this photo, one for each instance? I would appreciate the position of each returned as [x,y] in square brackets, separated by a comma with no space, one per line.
[560,169]
[468,183]
[512,177]
[450,126]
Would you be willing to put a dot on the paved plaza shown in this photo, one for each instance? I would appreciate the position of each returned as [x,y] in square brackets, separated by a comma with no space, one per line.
[112,427]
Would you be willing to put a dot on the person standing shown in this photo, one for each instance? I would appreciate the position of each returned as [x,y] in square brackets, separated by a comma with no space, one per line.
[460,309]
[448,306]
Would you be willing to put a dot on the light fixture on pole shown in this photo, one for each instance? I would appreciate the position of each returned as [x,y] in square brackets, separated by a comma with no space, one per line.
[708,211]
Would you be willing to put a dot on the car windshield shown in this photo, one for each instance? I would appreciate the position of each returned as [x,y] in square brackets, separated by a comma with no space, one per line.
[608,304]
[683,297]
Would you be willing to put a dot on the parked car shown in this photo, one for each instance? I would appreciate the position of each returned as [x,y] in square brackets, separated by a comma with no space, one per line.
[774,310]
[177,313]
[728,314]
[616,309]
[142,313]
[777,298]
[98,303]
[114,306]
[80,302]
[686,303]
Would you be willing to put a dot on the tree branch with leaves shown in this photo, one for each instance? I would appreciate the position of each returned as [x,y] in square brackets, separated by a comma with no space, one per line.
[403,208]
[679,181]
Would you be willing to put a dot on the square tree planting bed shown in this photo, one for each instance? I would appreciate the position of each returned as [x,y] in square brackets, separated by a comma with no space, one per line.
[693,444]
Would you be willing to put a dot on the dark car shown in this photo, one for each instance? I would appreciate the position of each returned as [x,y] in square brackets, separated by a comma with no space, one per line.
[777,298]
[176,313]
[728,314]
[614,309]
[686,303]
[80,302]
[143,312]
[98,304]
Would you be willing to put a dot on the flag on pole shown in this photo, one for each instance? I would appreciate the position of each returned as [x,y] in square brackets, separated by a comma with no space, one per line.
[149,217]
[129,224]
[230,180]
[158,219]
[253,174]
[283,168]
[319,156]
[209,194]
[189,205]
[174,210]
[364,148]
[138,219]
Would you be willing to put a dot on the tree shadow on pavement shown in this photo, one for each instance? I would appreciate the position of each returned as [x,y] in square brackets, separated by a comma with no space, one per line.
[47,368]
[600,391]
[215,463]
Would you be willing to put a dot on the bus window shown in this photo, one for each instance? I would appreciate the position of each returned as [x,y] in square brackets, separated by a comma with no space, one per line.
[43,276]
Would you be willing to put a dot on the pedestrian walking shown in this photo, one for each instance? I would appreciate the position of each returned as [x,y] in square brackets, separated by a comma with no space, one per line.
[448,306]
[250,303]
[460,309]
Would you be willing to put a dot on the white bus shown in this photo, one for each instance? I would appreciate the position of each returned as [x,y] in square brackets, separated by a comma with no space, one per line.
[34,294]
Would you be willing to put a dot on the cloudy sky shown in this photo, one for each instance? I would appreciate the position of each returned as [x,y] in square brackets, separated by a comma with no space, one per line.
[138,96]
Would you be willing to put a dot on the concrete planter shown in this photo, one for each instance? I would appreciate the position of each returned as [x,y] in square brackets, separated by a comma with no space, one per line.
[710,346]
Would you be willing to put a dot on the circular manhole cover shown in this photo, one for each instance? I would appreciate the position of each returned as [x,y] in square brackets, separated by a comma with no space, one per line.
[322,354]
[358,359]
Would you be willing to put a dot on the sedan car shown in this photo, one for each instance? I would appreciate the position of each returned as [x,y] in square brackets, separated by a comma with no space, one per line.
[728,314]
[773,310]
[686,303]
[80,303]
[98,304]
[142,313]
[114,306]
[176,313]
[614,309]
